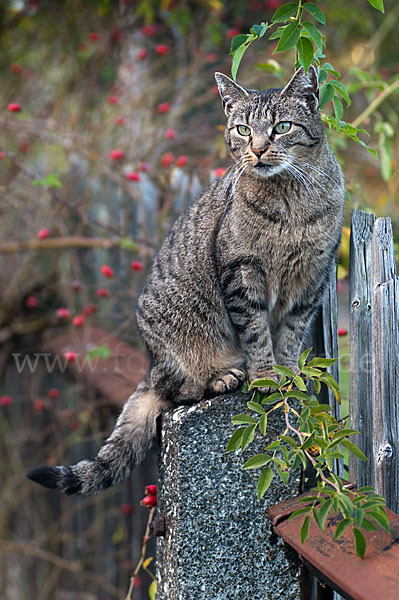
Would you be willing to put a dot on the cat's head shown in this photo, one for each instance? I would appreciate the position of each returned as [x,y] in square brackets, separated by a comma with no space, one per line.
[272,130]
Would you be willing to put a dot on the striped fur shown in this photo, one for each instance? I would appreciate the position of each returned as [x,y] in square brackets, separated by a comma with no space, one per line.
[237,280]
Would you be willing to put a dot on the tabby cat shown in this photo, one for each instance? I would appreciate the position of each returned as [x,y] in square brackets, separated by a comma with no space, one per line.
[238,278]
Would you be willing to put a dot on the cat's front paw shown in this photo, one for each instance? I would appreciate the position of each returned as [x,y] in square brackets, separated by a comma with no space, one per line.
[270,374]
[225,382]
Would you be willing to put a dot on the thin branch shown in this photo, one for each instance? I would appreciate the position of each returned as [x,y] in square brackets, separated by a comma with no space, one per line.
[375,103]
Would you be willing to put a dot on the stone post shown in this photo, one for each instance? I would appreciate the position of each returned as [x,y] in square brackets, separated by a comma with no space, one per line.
[219,544]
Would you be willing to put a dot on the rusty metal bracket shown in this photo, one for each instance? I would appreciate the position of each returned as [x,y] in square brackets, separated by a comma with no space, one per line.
[374,577]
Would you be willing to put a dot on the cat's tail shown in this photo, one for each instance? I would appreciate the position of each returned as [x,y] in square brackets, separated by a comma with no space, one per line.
[130,440]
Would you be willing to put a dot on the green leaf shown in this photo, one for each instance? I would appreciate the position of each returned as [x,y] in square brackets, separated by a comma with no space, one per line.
[296,394]
[128,244]
[235,440]
[322,362]
[327,94]
[248,436]
[289,37]
[242,419]
[280,370]
[311,372]
[237,41]
[300,511]
[304,531]
[256,407]
[272,398]
[346,505]
[316,12]
[316,386]
[102,351]
[305,52]
[259,460]
[277,34]
[263,424]
[282,469]
[259,30]
[368,525]
[288,440]
[265,479]
[380,517]
[338,107]
[314,33]
[50,181]
[266,382]
[302,359]
[300,384]
[353,449]
[360,542]
[330,69]
[341,527]
[378,4]
[152,590]
[236,60]
[284,12]
[341,89]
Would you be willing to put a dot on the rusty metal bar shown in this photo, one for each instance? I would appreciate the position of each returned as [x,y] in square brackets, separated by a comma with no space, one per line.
[335,562]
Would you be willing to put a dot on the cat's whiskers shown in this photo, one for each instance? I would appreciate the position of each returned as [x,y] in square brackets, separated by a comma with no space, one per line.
[320,172]
[306,182]
[300,166]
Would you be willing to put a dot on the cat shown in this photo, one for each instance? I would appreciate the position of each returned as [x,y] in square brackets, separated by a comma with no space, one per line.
[238,278]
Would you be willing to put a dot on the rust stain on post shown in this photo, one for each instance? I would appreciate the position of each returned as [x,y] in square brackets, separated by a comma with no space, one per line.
[336,562]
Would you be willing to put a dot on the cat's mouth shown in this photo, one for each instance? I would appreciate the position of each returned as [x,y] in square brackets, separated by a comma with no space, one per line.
[268,169]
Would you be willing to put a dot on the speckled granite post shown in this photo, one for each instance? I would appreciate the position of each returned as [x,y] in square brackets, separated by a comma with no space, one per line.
[218,544]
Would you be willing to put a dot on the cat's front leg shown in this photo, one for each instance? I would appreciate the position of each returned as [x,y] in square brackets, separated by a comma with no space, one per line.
[291,333]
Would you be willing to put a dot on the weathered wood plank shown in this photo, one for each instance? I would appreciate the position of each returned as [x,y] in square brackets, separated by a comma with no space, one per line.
[385,364]
[362,473]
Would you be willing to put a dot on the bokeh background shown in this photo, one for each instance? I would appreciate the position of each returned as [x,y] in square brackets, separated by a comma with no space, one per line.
[110,125]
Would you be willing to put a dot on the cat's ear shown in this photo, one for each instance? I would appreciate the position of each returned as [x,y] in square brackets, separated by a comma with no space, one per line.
[230,91]
[304,85]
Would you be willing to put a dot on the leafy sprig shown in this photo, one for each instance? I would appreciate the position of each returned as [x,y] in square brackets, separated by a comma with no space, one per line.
[312,435]
[295,31]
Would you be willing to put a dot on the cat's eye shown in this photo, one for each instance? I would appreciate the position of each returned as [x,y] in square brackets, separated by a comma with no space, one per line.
[283,127]
[244,130]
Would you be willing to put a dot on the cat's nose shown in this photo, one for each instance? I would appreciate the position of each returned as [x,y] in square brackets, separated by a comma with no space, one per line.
[258,151]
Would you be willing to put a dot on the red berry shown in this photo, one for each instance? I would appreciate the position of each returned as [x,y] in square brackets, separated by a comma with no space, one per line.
[167,159]
[102,293]
[120,121]
[148,30]
[340,287]
[15,68]
[43,234]
[342,331]
[5,400]
[151,490]
[170,134]
[116,154]
[149,501]
[181,161]
[24,147]
[89,310]
[133,176]
[94,37]
[2,154]
[163,108]
[53,393]
[78,320]
[211,57]
[113,99]
[220,171]
[107,271]
[142,54]
[273,4]
[73,425]
[63,313]
[70,356]
[215,90]
[14,107]
[161,49]
[136,265]
[31,302]
[38,405]
[144,167]
[126,509]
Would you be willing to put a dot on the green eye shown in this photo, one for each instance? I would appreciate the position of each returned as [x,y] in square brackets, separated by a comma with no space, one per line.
[244,130]
[283,127]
